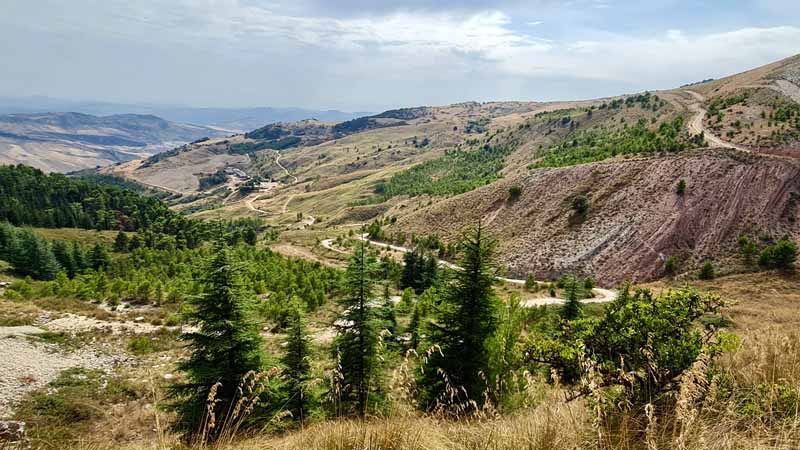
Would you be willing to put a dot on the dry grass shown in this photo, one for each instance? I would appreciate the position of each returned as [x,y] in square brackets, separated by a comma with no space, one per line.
[547,427]
[752,402]
[86,237]
[760,301]
[17,313]
[551,426]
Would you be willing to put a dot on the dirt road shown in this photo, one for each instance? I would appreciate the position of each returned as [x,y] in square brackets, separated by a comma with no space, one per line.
[157,187]
[696,125]
[248,201]
[601,295]
[278,163]
[328,243]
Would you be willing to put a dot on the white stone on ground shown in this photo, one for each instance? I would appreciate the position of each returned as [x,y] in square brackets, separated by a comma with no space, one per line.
[26,365]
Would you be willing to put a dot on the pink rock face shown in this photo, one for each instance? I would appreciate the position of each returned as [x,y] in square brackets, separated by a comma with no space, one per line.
[635,218]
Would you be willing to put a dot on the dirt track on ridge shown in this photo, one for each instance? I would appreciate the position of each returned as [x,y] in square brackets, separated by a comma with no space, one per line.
[696,125]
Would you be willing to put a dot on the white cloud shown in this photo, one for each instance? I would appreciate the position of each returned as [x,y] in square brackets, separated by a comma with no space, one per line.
[232,20]
[423,37]
[584,46]
[659,60]
[455,54]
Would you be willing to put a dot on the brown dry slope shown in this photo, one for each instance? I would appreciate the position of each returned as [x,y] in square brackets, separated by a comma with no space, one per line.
[635,218]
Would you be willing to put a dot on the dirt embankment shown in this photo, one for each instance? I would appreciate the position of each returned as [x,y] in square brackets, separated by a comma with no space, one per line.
[635,217]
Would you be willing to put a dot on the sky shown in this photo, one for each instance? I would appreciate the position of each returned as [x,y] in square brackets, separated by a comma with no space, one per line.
[357,55]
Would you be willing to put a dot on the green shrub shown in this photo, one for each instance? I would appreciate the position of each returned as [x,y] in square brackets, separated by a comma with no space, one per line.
[670,265]
[172,320]
[141,345]
[580,204]
[747,248]
[782,255]
[707,271]
[770,400]
[514,192]
[67,407]
[636,333]
[681,189]
[530,283]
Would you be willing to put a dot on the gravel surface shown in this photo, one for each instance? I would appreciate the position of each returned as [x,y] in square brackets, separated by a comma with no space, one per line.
[26,365]
[71,323]
[24,330]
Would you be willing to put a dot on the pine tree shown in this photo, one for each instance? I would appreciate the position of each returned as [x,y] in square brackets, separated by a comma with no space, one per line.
[79,257]
[121,242]
[385,314]
[707,271]
[250,236]
[465,320]
[572,305]
[414,326]
[410,276]
[406,300]
[8,240]
[419,271]
[62,253]
[135,242]
[225,347]
[505,355]
[681,189]
[296,359]
[99,259]
[32,255]
[357,339]
[430,272]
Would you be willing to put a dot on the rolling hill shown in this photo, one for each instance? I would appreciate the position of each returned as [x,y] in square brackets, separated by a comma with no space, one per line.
[64,142]
[241,119]
[733,142]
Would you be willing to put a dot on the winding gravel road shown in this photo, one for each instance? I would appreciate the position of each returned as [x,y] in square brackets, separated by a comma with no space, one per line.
[601,295]
[696,125]
[278,163]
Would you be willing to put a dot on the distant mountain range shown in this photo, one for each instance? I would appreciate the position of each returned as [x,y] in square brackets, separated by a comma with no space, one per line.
[232,119]
[63,142]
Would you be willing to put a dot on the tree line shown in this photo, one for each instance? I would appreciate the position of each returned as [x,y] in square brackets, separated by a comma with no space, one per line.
[159,277]
[28,196]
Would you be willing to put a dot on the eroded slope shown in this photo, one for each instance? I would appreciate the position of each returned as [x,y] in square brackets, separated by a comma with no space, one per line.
[635,220]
